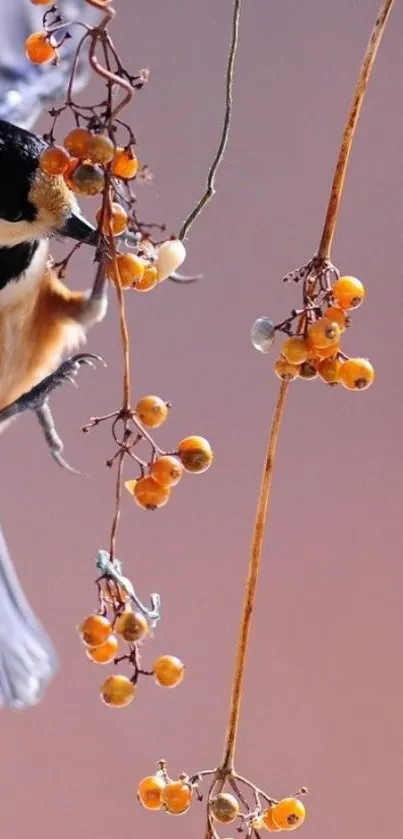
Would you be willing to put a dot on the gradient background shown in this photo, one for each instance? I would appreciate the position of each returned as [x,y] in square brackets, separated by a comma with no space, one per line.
[324,688]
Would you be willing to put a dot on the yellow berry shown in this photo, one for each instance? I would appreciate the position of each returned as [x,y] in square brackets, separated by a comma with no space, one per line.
[100,149]
[130,269]
[295,349]
[334,313]
[195,453]
[38,48]
[118,219]
[151,495]
[224,808]
[167,470]
[105,653]
[177,797]
[288,814]
[117,691]
[329,370]
[168,671]
[357,374]
[267,819]
[152,411]
[327,352]
[149,792]
[77,142]
[124,164]
[148,281]
[95,630]
[348,292]
[54,160]
[284,370]
[131,625]
[323,332]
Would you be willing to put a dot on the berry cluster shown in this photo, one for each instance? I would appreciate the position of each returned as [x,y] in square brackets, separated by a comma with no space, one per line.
[313,349]
[160,792]
[101,635]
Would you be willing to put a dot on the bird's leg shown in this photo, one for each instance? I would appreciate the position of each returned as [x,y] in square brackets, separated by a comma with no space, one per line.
[37,398]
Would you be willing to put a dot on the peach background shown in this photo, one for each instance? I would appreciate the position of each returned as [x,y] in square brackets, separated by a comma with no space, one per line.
[324,688]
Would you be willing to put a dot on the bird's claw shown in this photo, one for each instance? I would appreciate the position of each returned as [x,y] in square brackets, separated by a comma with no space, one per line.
[183,278]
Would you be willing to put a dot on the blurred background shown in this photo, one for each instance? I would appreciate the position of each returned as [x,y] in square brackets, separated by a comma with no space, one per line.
[323,693]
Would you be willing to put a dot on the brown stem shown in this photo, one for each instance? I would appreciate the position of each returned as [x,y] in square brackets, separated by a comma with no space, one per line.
[349,131]
[251,583]
[123,325]
[210,184]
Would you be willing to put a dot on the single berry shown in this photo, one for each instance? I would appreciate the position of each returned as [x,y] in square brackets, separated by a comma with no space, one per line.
[68,172]
[130,269]
[38,48]
[263,334]
[284,370]
[105,653]
[295,349]
[308,370]
[124,163]
[152,411]
[334,313]
[177,797]
[167,470]
[100,149]
[88,179]
[323,332]
[131,626]
[288,814]
[224,808]
[348,292]
[195,453]
[149,792]
[95,630]
[171,254]
[54,160]
[267,819]
[118,219]
[77,142]
[168,671]
[329,370]
[117,691]
[357,374]
[151,495]
[149,279]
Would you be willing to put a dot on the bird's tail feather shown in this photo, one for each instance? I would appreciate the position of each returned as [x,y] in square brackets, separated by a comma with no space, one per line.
[28,660]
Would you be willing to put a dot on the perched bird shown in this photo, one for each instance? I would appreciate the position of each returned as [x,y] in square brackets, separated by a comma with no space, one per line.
[41,321]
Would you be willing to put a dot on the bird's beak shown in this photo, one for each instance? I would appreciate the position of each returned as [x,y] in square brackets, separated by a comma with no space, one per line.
[78,228]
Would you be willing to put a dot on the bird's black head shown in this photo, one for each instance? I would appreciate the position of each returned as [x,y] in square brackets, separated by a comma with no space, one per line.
[33,205]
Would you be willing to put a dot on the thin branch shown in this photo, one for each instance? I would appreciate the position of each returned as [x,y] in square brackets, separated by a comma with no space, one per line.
[251,582]
[210,184]
[349,131]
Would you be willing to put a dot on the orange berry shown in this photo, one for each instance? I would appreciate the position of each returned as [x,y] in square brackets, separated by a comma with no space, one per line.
[77,142]
[150,494]
[195,453]
[329,370]
[42,2]
[288,813]
[323,332]
[348,292]
[54,160]
[38,48]
[71,166]
[118,219]
[177,797]
[124,164]
[131,269]
[105,653]
[168,671]
[224,808]
[148,281]
[149,792]
[131,626]
[152,411]
[88,179]
[117,691]
[327,352]
[337,315]
[95,630]
[267,819]
[100,149]
[295,349]
[308,370]
[167,470]
[357,374]
[285,370]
